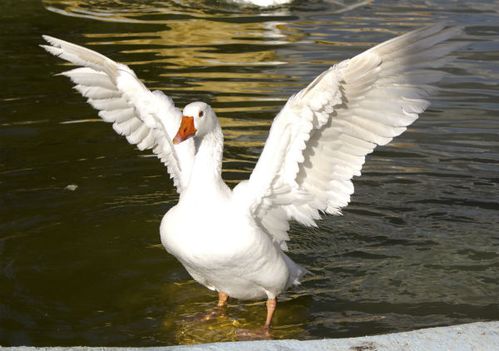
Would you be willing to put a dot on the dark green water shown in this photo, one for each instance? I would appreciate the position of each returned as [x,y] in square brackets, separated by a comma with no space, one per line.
[417,247]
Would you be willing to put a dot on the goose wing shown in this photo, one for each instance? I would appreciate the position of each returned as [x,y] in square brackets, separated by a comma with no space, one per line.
[147,119]
[321,137]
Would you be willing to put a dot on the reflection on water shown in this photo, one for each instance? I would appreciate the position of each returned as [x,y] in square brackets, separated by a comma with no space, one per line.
[196,320]
[417,247]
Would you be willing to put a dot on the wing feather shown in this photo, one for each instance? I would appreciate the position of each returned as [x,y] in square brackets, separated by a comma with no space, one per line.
[147,119]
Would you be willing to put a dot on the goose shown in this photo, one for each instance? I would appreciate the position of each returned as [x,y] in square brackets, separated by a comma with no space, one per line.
[234,241]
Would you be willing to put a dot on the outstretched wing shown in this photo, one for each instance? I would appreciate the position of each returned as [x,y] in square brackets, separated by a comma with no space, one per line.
[321,137]
[147,119]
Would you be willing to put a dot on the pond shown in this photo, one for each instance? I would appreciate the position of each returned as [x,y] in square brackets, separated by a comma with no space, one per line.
[80,256]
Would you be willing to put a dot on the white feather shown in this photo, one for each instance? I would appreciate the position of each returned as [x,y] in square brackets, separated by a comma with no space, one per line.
[353,107]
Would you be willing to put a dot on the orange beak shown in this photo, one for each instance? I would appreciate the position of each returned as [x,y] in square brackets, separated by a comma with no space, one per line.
[186,130]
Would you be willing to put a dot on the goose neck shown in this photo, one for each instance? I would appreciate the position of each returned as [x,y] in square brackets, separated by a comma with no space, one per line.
[208,160]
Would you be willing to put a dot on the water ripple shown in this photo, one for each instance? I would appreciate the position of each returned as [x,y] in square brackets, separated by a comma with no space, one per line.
[417,247]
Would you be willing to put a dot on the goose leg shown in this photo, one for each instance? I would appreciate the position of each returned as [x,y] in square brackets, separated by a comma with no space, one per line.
[222,299]
[260,333]
[271,306]
[217,311]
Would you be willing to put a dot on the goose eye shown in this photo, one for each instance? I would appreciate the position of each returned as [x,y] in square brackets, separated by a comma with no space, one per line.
[201,114]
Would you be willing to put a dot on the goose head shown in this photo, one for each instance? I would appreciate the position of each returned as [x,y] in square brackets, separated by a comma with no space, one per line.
[198,120]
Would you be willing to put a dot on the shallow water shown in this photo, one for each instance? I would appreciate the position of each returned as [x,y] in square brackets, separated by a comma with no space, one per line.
[417,247]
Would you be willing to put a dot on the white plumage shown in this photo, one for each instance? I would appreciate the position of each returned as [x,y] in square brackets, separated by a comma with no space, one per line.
[233,241]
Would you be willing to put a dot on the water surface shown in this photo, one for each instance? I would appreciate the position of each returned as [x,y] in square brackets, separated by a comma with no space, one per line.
[417,247]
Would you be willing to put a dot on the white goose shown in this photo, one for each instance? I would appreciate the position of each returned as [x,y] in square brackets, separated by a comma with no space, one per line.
[233,241]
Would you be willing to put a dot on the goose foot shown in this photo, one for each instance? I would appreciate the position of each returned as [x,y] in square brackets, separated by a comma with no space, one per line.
[261,333]
[213,313]
[222,299]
